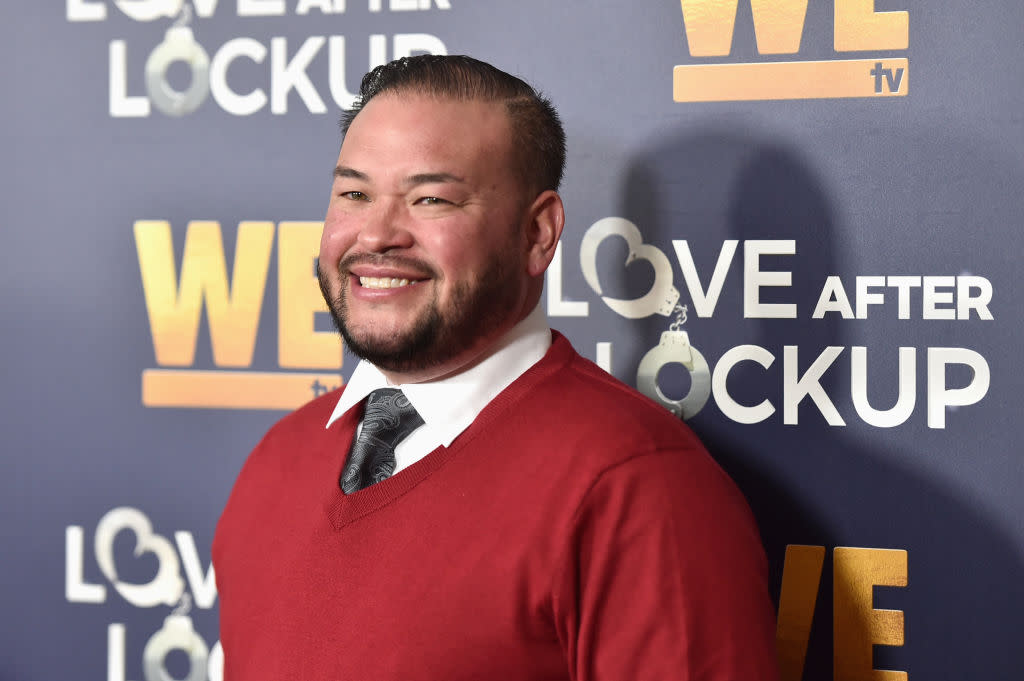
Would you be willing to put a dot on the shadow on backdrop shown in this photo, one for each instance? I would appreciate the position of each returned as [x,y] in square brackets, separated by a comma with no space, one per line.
[814,483]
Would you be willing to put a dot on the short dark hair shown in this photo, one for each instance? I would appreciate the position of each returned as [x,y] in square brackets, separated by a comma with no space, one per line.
[538,142]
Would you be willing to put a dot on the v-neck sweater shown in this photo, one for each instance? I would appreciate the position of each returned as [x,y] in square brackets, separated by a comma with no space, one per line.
[575,530]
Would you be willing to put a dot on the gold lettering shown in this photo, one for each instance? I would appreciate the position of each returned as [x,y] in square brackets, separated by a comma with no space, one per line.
[857,625]
[778,25]
[801,576]
[709,25]
[859,27]
[174,309]
[299,345]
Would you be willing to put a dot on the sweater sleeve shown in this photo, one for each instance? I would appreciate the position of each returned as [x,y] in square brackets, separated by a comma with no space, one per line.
[664,577]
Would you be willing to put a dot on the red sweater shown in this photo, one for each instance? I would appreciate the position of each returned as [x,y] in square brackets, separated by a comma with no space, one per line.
[575,530]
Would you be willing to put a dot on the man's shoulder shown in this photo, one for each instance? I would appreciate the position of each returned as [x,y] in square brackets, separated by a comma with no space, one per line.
[580,425]
[576,395]
[295,442]
[577,376]
[305,423]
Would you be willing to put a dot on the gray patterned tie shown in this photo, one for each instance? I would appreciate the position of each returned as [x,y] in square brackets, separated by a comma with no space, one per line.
[387,420]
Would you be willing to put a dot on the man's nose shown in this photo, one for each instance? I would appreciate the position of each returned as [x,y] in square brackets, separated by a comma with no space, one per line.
[385,227]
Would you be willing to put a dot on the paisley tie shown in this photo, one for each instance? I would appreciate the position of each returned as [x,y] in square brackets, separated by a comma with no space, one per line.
[387,420]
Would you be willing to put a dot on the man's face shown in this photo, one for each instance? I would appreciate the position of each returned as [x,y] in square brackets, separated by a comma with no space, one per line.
[423,250]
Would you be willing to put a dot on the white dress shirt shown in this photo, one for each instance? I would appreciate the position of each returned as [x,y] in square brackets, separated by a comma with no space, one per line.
[449,405]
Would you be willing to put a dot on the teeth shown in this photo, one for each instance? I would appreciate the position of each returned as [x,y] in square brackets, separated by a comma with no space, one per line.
[382,282]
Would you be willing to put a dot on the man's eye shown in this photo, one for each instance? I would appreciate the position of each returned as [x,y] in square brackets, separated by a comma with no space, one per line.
[354,196]
[431,201]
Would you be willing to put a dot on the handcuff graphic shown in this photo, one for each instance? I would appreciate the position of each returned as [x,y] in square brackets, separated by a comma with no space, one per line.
[674,346]
[177,633]
[179,45]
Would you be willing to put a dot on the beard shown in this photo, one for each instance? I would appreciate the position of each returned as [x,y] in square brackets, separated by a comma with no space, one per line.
[437,333]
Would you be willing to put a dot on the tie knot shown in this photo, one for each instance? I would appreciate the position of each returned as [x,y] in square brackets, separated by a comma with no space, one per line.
[389,410]
[387,419]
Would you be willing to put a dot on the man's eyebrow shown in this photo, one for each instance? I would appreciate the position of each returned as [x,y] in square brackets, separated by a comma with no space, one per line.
[432,178]
[351,173]
[411,181]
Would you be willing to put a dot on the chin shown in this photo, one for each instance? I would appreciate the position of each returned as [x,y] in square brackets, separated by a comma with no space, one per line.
[397,347]
[378,343]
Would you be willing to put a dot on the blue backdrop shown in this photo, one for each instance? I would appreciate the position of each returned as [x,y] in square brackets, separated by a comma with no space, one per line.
[830,192]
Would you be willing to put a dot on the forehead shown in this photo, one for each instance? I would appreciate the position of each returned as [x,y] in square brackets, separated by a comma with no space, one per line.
[403,126]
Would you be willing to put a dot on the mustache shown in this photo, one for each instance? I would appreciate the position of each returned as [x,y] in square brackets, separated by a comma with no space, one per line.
[412,265]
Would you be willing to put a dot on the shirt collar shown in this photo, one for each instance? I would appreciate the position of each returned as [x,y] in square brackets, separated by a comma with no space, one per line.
[449,405]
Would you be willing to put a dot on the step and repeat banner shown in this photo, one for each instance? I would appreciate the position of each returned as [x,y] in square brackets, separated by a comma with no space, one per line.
[794,223]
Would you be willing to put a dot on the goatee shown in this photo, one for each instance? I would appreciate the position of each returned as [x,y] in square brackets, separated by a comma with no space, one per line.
[436,335]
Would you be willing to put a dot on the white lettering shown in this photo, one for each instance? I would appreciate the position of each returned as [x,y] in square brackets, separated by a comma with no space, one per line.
[325,6]
[833,299]
[378,49]
[115,652]
[795,389]
[261,8]
[121,105]
[288,75]
[148,10]
[965,302]
[933,298]
[906,397]
[720,389]
[971,294]
[903,286]
[204,589]
[215,668]
[75,588]
[661,298]
[754,279]
[226,98]
[603,356]
[205,8]
[704,302]
[865,298]
[336,69]
[167,586]
[939,396]
[557,305]
[82,10]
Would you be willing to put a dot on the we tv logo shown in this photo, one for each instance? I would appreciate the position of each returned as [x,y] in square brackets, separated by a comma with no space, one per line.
[308,360]
[779,27]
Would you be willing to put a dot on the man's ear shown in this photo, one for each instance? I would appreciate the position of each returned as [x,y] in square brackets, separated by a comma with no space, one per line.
[547,218]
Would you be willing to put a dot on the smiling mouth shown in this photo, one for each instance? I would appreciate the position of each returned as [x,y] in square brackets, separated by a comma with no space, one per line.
[382,282]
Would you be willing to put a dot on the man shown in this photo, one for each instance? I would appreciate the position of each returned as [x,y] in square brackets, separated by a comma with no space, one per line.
[514,512]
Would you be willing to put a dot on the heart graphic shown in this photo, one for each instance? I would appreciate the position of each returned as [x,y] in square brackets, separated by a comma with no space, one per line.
[167,586]
[662,297]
